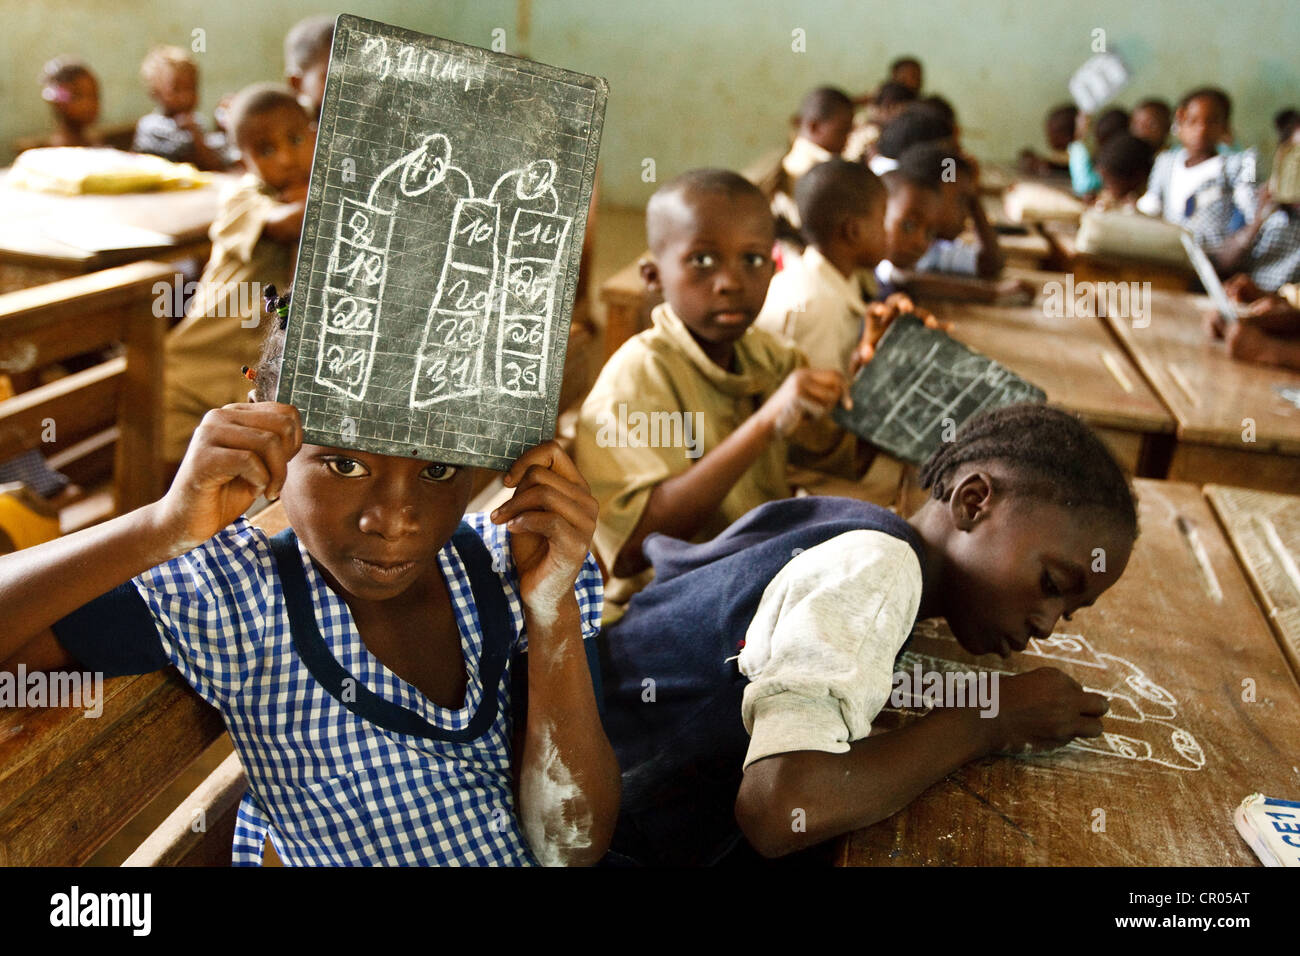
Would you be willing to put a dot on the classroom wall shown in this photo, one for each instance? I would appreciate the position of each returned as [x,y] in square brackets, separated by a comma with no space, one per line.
[695,82]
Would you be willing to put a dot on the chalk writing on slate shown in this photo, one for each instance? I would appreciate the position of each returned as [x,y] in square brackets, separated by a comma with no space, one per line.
[919,383]
[440,248]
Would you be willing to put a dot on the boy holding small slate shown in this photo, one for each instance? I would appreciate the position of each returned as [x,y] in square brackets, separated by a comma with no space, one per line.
[735,393]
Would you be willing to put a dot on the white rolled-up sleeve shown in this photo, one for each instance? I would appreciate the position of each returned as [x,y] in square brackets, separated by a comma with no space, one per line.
[820,650]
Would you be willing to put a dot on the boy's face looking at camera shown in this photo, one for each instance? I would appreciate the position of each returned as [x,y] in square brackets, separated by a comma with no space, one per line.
[374,524]
[1201,127]
[909,217]
[278,143]
[950,210]
[712,259]
[1014,564]
[175,89]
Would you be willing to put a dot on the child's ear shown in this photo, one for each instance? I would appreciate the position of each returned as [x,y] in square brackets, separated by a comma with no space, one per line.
[295,82]
[970,500]
[650,274]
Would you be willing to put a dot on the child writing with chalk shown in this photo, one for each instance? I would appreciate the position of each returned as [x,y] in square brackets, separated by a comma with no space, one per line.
[771,649]
[369,660]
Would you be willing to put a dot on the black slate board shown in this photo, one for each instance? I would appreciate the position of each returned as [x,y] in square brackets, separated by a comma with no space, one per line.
[440,248]
[921,385]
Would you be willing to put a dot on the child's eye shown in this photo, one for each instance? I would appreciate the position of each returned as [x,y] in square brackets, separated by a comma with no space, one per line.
[440,472]
[346,467]
[703,260]
[755,260]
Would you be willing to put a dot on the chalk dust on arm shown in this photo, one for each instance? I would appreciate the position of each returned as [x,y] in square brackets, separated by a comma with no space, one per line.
[554,815]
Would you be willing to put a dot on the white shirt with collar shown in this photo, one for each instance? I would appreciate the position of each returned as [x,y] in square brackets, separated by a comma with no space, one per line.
[817,309]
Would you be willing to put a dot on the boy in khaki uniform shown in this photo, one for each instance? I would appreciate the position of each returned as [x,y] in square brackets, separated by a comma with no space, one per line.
[254,241]
[685,429]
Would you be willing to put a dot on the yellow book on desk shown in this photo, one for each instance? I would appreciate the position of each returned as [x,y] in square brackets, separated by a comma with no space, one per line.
[75,170]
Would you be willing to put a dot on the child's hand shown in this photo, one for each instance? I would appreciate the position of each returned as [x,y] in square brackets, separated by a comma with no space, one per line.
[1044,709]
[806,394]
[1242,288]
[880,315]
[237,453]
[551,518]
[1247,342]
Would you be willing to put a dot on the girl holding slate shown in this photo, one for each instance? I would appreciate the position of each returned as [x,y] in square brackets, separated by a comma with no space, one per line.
[369,661]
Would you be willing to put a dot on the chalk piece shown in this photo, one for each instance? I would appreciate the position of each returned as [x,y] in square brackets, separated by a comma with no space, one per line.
[439,256]
[921,385]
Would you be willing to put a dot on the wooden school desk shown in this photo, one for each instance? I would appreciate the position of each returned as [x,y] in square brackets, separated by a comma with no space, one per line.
[1204,711]
[1215,400]
[627,305]
[1077,363]
[1092,267]
[76,234]
[1264,529]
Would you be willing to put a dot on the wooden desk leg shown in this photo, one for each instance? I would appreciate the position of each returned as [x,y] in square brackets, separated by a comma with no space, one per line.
[1155,456]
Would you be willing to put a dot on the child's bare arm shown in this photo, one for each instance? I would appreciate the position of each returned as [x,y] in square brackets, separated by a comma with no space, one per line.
[990,262]
[236,453]
[568,776]
[880,775]
[679,506]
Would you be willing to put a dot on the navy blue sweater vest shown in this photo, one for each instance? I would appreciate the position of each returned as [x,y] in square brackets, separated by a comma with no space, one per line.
[672,688]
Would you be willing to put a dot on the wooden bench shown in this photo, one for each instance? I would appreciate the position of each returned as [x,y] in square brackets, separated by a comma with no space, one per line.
[69,783]
[78,420]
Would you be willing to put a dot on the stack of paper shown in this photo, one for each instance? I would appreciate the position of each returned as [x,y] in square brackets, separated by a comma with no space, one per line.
[1271,827]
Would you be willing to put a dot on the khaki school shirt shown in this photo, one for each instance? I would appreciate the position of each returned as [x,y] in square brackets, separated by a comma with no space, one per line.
[204,353]
[654,394]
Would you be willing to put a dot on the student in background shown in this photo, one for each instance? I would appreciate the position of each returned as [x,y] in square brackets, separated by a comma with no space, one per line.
[172,131]
[1195,185]
[1269,332]
[779,638]
[418,748]
[1123,166]
[959,204]
[1083,176]
[1150,122]
[1059,130]
[739,391]
[307,59]
[825,118]
[1267,250]
[254,240]
[907,71]
[888,103]
[819,302]
[910,215]
[73,94]
[918,123]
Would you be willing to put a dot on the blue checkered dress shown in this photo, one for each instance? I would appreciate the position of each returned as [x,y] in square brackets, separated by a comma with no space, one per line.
[327,785]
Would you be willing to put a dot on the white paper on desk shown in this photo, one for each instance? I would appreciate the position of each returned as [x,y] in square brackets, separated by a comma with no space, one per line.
[102,236]
[1096,82]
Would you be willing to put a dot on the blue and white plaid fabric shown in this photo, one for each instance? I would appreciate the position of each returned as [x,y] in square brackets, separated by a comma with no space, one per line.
[330,787]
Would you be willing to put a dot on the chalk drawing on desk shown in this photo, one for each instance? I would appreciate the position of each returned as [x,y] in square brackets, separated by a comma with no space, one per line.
[1145,709]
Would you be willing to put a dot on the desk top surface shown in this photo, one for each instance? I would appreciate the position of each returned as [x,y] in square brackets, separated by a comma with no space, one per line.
[1177,644]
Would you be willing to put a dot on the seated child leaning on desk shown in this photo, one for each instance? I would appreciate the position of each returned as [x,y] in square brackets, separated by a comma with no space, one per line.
[685,429]
[772,648]
[368,661]
[1269,332]
[254,239]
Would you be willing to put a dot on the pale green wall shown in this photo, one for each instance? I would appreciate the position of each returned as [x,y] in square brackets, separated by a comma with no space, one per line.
[695,82]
